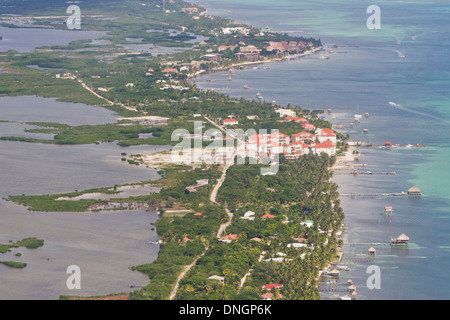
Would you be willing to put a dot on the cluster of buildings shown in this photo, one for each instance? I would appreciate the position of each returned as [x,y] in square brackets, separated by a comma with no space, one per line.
[311,140]
[285,46]
[235,30]
[304,142]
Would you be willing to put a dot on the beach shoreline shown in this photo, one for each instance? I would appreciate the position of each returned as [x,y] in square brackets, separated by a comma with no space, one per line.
[249,63]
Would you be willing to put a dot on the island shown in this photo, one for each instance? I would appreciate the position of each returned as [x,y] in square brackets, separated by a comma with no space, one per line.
[230,227]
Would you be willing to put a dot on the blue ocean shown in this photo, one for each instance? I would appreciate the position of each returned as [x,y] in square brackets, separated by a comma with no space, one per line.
[400,76]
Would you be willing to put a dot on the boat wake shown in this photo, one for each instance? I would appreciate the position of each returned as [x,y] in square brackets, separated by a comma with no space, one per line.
[400,107]
[400,54]
[417,35]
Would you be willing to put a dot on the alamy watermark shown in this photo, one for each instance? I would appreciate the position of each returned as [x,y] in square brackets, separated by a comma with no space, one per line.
[74,21]
[374,21]
[374,280]
[74,280]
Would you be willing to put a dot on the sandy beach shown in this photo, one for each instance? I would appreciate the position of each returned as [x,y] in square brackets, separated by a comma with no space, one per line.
[348,160]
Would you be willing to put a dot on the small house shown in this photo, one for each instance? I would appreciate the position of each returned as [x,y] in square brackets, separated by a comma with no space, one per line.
[414,191]
[401,240]
[296,245]
[272,286]
[229,122]
[221,279]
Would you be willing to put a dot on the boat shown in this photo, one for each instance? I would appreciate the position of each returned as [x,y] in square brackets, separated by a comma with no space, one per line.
[246,87]
[345,298]
[343,268]
[333,272]
[323,57]
[357,116]
[393,104]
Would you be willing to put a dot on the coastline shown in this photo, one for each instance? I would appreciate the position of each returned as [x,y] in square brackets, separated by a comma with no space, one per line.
[262,62]
[270,60]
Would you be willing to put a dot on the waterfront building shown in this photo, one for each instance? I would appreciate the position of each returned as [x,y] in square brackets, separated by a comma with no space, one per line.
[401,240]
[414,191]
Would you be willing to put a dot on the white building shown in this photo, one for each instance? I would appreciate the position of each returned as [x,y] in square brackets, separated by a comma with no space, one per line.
[231,30]
[296,245]
[327,147]
[326,134]
[285,112]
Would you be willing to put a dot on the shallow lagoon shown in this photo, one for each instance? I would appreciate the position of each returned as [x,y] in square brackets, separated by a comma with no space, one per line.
[103,244]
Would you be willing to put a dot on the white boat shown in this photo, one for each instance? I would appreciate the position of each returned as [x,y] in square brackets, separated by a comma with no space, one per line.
[345,298]
[323,57]
[344,268]
[357,116]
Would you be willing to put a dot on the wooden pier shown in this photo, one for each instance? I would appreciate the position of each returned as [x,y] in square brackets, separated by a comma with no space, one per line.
[388,145]
[373,172]
[356,172]
[377,244]
[332,289]
[387,194]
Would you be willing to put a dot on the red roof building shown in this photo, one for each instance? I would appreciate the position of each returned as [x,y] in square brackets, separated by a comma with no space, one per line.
[169,70]
[229,122]
[302,136]
[326,146]
[308,126]
[230,237]
[272,286]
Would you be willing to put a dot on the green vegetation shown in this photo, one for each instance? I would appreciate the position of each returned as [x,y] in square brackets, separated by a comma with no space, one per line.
[183,238]
[300,191]
[303,192]
[174,182]
[29,243]
[14,264]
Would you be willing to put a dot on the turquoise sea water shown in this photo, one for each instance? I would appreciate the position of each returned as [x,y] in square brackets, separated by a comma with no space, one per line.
[406,62]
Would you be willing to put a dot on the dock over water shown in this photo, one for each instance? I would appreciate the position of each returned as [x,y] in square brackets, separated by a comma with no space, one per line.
[372,244]
[386,194]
